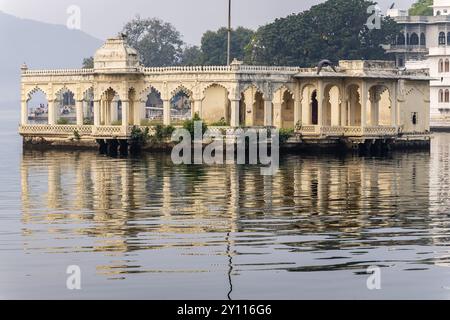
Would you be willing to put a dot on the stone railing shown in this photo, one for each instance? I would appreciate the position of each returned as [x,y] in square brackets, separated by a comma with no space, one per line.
[353,131]
[310,130]
[58,72]
[110,131]
[377,131]
[380,131]
[68,130]
[220,69]
[332,131]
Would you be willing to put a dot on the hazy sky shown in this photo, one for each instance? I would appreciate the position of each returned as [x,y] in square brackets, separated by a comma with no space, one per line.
[104,18]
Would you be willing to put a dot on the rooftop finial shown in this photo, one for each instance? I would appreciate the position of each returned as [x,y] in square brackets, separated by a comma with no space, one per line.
[24,67]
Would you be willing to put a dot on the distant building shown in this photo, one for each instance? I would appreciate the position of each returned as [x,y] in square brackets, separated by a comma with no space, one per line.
[424,42]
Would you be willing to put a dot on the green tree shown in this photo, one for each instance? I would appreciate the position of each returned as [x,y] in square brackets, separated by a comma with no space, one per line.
[88,63]
[215,43]
[192,56]
[158,43]
[421,8]
[334,30]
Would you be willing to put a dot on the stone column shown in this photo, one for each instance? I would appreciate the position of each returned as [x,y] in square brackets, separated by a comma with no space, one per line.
[24,113]
[107,108]
[97,113]
[277,114]
[364,96]
[394,105]
[234,118]
[374,107]
[297,110]
[344,112]
[51,113]
[250,108]
[139,114]
[114,111]
[306,110]
[79,110]
[166,107]
[198,108]
[320,97]
[268,113]
[125,113]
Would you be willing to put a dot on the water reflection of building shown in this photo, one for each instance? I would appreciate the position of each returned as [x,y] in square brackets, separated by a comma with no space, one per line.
[125,205]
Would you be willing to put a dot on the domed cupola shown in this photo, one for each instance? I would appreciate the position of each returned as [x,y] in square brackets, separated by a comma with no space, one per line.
[116,56]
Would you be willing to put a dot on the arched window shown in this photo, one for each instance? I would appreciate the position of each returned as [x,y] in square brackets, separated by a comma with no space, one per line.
[447,95]
[447,65]
[414,39]
[448,38]
[441,66]
[441,95]
[401,39]
[442,38]
[438,13]
[423,40]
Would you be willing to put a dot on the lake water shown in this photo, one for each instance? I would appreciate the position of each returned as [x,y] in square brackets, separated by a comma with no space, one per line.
[146,229]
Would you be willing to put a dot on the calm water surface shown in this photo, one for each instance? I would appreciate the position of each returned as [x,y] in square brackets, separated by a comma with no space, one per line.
[143,228]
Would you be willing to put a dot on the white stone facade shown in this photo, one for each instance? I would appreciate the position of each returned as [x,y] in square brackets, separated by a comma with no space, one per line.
[425,43]
[363,98]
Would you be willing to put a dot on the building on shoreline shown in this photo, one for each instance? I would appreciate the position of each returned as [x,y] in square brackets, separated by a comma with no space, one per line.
[362,101]
[424,43]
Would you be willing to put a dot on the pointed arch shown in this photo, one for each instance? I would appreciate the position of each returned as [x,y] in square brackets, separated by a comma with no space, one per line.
[37,106]
[181,104]
[216,105]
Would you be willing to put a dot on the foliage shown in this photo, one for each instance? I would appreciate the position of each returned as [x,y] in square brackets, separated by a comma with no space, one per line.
[163,133]
[192,56]
[158,42]
[62,121]
[221,123]
[138,136]
[76,135]
[88,122]
[215,43]
[116,123]
[88,63]
[285,135]
[421,8]
[189,125]
[334,30]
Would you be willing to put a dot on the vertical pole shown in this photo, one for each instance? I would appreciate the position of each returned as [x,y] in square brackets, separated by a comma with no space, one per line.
[229,33]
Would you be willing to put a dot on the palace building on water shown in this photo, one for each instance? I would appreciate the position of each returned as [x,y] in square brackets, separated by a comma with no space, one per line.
[358,102]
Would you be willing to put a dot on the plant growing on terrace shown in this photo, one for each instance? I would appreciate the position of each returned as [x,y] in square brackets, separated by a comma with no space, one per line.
[138,136]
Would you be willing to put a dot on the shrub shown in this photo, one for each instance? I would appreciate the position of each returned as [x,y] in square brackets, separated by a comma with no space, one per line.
[285,134]
[62,121]
[138,136]
[76,135]
[163,132]
[88,122]
[189,125]
[221,123]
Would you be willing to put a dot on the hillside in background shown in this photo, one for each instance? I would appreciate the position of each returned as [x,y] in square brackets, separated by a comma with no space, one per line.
[39,45]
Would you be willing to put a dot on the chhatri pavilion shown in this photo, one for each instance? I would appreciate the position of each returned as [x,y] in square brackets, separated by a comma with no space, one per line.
[358,100]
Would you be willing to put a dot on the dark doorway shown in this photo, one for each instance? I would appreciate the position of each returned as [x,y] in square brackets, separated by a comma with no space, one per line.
[314,109]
